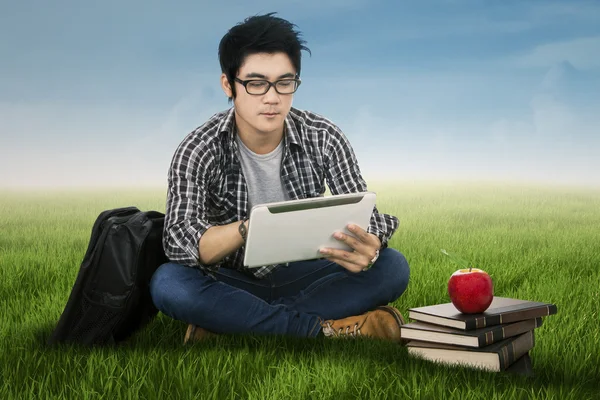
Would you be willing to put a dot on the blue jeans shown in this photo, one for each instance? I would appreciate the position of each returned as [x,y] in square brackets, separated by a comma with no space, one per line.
[292,300]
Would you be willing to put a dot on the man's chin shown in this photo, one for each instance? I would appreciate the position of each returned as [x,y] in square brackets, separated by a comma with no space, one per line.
[270,124]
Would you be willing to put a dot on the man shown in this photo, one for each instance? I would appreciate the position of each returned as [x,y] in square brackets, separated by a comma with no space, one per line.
[263,150]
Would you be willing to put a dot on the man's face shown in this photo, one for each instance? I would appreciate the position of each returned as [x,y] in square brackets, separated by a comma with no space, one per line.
[262,114]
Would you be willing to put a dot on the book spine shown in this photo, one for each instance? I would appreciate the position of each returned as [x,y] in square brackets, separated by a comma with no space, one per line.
[505,318]
[503,332]
[515,349]
[482,322]
[528,314]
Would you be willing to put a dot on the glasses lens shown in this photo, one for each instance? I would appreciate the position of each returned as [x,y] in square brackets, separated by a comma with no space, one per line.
[257,87]
[286,86]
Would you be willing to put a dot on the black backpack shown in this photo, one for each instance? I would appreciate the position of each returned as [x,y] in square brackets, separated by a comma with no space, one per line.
[111,299]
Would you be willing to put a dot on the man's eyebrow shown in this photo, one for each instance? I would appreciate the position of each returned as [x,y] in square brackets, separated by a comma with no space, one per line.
[261,76]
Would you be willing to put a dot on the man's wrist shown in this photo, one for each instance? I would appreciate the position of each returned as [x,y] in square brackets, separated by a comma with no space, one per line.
[243,230]
[378,239]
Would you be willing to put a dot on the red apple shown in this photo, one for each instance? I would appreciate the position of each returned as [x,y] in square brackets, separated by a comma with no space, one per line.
[471,290]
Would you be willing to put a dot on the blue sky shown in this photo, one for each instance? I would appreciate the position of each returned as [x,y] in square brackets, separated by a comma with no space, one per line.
[102,93]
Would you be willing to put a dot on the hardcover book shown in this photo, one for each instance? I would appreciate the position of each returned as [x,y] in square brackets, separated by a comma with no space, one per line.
[523,366]
[502,311]
[423,331]
[496,357]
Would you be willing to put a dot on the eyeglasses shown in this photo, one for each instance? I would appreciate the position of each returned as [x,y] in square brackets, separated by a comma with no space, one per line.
[262,86]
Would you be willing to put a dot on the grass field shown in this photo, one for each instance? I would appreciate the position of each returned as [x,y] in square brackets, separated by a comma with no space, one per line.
[538,243]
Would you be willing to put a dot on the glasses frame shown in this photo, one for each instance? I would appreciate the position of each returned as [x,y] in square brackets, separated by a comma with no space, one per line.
[269,83]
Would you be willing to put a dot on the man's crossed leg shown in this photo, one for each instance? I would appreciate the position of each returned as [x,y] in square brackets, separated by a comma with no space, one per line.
[303,299]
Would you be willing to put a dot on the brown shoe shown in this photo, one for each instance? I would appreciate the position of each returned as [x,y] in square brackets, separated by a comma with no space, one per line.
[382,323]
[195,333]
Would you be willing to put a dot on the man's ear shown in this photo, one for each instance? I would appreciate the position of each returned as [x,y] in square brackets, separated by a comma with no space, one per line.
[226,86]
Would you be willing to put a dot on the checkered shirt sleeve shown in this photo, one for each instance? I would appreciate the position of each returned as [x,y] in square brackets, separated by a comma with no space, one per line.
[187,205]
[344,176]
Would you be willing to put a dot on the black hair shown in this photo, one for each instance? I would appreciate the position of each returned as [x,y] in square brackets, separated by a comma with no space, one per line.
[259,34]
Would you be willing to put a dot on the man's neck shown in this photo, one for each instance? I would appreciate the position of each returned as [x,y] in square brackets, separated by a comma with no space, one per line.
[259,142]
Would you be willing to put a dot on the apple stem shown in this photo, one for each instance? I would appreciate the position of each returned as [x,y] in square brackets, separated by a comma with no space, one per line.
[470,268]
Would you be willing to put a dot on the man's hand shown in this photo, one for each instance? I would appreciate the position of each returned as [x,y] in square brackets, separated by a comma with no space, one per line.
[365,246]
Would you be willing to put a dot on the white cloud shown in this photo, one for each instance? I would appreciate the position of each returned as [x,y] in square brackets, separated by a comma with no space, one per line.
[505,131]
[583,53]
[573,11]
[551,141]
[75,145]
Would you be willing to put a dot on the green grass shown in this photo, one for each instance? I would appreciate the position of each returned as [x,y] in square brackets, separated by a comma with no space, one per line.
[538,243]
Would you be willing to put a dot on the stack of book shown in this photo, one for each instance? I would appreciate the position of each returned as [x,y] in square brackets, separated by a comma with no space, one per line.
[493,340]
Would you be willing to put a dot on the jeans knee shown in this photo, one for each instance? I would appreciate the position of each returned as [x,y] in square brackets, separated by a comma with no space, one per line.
[157,285]
[395,272]
[164,288]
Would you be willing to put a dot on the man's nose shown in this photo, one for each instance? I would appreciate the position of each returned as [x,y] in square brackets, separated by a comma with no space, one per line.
[271,96]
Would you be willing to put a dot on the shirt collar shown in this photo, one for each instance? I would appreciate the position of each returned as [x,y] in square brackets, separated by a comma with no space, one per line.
[293,125]
[227,126]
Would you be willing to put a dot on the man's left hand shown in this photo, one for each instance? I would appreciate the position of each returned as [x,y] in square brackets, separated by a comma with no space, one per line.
[365,247]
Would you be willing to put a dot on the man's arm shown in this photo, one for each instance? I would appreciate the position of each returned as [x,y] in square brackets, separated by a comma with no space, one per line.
[344,176]
[220,241]
[189,238]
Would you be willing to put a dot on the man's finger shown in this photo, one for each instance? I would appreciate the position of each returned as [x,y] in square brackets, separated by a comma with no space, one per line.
[361,234]
[345,264]
[357,244]
[345,257]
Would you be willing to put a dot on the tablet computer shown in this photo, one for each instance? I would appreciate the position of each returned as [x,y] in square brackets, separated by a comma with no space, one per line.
[296,230]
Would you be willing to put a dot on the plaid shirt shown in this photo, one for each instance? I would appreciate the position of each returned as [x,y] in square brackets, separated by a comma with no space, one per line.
[206,186]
